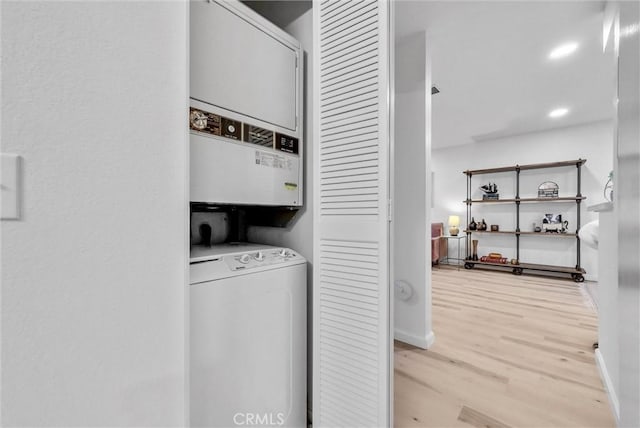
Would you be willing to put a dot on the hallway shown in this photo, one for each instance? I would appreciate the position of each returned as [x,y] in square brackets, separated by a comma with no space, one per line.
[510,352]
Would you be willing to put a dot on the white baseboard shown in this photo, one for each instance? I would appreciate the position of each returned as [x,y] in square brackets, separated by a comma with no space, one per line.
[421,342]
[611,393]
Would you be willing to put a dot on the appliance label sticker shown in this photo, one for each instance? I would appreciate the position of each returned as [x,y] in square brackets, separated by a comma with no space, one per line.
[273,160]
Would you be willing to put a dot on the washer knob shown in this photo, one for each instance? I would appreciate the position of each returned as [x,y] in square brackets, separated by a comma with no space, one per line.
[284,253]
[259,256]
[244,258]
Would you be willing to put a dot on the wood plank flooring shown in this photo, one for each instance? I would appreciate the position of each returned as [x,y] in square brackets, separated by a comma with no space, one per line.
[510,351]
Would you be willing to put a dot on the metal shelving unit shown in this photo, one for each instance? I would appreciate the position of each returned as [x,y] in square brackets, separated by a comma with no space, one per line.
[577,272]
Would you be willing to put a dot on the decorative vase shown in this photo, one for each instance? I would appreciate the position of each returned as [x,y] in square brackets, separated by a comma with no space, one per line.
[475,250]
[472,225]
[482,225]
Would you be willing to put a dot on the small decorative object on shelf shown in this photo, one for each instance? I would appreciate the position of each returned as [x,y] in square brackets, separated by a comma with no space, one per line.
[473,225]
[482,226]
[554,224]
[536,228]
[454,222]
[495,228]
[548,189]
[490,192]
[515,262]
[608,188]
[491,259]
[475,250]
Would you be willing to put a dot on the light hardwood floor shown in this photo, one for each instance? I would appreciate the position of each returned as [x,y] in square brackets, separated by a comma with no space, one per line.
[509,352]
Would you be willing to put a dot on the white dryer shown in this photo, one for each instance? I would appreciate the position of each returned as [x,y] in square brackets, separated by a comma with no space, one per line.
[248,342]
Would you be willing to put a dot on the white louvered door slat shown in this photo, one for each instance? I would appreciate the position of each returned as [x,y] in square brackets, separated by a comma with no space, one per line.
[351,317]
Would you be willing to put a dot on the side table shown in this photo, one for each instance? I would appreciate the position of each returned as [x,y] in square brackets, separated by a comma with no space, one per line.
[458,260]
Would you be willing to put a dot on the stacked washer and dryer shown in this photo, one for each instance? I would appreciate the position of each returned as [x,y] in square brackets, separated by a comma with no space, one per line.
[248,301]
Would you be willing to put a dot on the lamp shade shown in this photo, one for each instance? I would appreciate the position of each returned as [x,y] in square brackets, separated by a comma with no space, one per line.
[454,220]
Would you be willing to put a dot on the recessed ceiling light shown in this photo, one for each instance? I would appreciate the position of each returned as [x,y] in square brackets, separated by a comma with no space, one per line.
[559,112]
[563,50]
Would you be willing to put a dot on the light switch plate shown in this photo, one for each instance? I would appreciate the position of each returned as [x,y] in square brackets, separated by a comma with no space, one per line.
[10,186]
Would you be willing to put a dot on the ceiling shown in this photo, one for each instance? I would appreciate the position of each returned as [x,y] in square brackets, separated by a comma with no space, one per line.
[490,62]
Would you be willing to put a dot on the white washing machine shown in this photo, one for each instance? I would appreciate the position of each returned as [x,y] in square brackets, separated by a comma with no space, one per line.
[248,342]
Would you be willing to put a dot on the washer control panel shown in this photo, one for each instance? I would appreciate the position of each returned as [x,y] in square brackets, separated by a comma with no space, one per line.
[259,258]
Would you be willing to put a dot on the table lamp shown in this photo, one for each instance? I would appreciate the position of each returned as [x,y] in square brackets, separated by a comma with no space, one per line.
[454,222]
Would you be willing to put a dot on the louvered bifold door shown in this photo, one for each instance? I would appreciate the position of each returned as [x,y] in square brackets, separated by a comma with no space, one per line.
[351,340]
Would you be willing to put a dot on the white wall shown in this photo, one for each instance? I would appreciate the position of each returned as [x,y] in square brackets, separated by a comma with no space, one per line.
[607,355]
[592,142]
[299,234]
[627,201]
[411,193]
[93,318]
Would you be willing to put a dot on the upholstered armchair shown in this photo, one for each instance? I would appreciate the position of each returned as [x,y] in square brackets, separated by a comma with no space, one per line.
[438,243]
